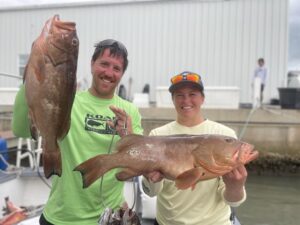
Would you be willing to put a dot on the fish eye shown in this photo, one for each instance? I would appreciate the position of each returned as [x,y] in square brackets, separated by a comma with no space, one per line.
[74,42]
[228,140]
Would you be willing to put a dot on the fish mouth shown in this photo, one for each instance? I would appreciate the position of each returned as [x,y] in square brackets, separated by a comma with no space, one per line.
[237,152]
[63,25]
[245,153]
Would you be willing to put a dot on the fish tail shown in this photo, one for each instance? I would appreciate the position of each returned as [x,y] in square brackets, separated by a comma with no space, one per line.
[52,163]
[92,169]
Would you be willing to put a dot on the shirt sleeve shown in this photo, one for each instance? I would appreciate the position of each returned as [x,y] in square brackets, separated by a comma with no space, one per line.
[237,203]
[221,190]
[20,121]
[151,189]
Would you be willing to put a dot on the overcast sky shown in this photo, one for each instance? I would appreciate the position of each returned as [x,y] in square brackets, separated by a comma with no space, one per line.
[294,21]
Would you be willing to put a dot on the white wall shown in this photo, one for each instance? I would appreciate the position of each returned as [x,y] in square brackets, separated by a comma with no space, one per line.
[221,40]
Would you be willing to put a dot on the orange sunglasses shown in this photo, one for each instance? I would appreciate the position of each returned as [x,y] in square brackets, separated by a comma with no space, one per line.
[186,76]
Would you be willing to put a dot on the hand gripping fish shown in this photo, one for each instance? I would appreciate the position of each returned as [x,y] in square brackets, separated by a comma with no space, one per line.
[119,217]
[186,159]
[50,86]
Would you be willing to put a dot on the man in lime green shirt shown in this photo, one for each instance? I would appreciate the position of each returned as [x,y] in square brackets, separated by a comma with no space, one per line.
[90,134]
[209,203]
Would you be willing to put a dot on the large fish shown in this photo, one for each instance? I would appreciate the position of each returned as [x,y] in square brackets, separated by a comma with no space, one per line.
[186,159]
[50,86]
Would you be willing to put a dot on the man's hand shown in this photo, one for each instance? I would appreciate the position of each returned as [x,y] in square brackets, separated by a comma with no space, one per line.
[154,176]
[123,123]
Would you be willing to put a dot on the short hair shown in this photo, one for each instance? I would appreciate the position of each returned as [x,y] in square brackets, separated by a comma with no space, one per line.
[261,60]
[116,49]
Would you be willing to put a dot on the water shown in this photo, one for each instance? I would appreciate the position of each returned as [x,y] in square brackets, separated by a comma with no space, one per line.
[271,200]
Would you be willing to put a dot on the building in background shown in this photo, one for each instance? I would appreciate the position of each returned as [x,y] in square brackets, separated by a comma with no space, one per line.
[219,39]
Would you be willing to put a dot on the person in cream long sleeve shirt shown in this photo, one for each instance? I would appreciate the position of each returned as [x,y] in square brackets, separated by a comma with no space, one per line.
[209,203]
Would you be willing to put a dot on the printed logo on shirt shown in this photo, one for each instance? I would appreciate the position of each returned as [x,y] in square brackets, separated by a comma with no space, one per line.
[98,124]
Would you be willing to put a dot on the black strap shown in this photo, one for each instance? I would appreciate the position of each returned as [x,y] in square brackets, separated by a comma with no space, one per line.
[43,221]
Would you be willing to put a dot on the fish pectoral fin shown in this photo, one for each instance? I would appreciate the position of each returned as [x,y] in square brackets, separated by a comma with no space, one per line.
[191,177]
[188,178]
[34,132]
[33,128]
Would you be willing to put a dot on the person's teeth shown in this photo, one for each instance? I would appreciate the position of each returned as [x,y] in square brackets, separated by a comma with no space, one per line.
[107,81]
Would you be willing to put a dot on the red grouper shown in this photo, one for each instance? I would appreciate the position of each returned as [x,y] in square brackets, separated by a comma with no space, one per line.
[50,87]
[186,159]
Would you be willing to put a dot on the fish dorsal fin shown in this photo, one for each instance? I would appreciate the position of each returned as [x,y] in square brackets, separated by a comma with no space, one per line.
[128,141]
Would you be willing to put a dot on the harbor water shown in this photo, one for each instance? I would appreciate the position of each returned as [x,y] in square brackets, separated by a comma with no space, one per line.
[271,200]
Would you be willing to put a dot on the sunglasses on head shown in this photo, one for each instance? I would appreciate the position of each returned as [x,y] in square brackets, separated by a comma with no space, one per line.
[186,76]
[112,42]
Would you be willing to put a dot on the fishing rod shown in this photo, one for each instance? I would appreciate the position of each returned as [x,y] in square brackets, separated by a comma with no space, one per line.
[10,75]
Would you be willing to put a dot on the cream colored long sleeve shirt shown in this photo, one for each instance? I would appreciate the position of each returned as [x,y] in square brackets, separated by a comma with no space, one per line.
[205,205]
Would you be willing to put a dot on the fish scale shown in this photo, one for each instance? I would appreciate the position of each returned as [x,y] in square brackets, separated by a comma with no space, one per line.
[50,87]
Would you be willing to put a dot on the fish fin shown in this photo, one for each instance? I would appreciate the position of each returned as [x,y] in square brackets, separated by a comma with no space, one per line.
[191,177]
[188,178]
[252,156]
[128,140]
[34,132]
[93,168]
[193,187]
[33,128]
[247,154]
[52,163]
[126,174]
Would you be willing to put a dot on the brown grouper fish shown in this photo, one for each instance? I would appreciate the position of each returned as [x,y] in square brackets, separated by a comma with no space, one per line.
[50,87]
[186,159]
